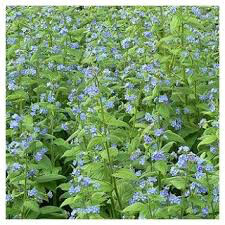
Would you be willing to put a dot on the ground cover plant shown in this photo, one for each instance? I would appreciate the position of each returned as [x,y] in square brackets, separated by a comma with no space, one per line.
[112,112]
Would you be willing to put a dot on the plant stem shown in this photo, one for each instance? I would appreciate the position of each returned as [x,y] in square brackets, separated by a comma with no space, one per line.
[113,180]
[210,194]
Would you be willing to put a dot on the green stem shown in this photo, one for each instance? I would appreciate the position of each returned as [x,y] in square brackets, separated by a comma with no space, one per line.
[113,180]
[26,168]
[150,209]
[209,193]
[53,156]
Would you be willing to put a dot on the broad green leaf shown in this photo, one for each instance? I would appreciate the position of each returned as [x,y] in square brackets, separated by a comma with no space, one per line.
[161,166]
[71,152]
[117,123]
[125,174]
[175,23]
[168,146]
[31,205]
[208,139]
[164,111]
[95,141]
[50,209]
[174,137]
[113,152]
[61,142]
[136,207]
[178,182]
[49,178]
[68,201]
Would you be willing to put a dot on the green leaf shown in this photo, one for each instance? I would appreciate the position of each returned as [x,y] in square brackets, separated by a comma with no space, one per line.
[164,111]
[168,146]
[45,164]
[50,209]
[61,142]
[136,207]
[161,166]
[28,122]
[175,23]
[178,182]
[19,94]
[125,174]
[49,178]
[113,152]
[68,201]
[71,152]
[104,186]
[32,205]
[208,139]
[174,137]
[95,141]
[117,123]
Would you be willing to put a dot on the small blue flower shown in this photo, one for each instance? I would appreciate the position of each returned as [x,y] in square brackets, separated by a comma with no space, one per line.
[64,126]
[33,192]
[173,199]
[16,167]
[176,124]
[147,139]
[73,190]
[158,132]
[9,198]
[50,194]
[163,99]
[149,118]
[39,155]
[109,104]
[152,191]
[158,155]
[205,211]
[83,116]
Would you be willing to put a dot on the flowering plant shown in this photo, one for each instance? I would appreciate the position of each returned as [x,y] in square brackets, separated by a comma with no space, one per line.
[112,112]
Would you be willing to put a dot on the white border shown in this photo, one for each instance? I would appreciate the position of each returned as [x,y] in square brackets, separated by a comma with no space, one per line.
[4,3]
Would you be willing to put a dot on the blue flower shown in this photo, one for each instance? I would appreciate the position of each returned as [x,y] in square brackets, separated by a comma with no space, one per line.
[205,211]
[189,71]
[9,198]
[138,173]
[33,192]
[176,124]
[16,167]
[158,155]
[91,91]
[182,161]
[142,160]
[83,116]
[51,98]
[50,194]
[149,118]
[129,108]
[64,126]
[174,171]
[126,43]
[73,190]
[31,173]
[135,155]
[147,139]
[173,199]
[209,168]
[152,191]
[158,132]
[163,99]
[109,104]
[39,155]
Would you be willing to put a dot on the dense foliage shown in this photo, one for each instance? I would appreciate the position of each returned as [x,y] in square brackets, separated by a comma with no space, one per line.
[112,112]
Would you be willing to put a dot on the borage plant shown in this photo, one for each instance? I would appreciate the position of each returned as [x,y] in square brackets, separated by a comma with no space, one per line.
[112,112]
